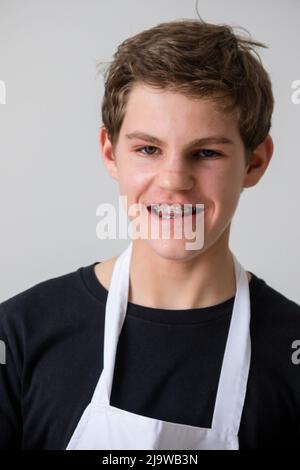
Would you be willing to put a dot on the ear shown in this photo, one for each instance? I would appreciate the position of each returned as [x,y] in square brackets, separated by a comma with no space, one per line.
[258,163]
[107,154]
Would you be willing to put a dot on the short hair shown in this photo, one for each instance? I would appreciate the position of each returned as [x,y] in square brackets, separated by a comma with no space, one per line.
[197,59]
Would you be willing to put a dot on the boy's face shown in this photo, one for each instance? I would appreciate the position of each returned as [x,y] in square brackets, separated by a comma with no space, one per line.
[176,170]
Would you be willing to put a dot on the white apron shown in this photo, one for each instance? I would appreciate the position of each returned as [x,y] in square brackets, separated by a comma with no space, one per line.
[103,426]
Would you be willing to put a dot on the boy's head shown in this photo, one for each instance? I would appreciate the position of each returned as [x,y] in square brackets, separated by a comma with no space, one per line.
[206,103]
[198,60]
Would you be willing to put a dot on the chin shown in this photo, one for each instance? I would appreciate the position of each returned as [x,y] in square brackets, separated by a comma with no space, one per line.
[173,249]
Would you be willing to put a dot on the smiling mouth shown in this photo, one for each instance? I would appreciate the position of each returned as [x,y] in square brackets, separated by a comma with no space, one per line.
[165,211]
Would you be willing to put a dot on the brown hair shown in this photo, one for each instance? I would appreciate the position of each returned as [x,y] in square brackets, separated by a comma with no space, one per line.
[197,59]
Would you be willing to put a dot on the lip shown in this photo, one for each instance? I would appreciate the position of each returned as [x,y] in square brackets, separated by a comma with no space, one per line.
[175,203]
[181,203]
[193,215]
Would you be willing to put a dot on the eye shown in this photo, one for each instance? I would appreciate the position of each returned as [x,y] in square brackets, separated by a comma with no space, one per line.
[207,153]
[151,147]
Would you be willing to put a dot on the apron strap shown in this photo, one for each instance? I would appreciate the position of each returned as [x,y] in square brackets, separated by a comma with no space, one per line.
[233,380]
[116,308]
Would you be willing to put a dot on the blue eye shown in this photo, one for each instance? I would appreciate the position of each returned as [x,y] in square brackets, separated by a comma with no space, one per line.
[208,153]
[146,147]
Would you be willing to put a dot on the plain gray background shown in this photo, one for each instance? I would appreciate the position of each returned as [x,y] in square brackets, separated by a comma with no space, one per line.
[51,175]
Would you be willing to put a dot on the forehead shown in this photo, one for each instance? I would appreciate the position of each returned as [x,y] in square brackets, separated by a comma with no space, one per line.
[164,110]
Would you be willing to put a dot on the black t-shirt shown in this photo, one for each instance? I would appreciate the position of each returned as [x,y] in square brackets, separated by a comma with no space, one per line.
[167,366]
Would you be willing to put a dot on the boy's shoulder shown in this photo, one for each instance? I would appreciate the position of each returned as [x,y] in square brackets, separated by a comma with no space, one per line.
[275,327]
[42,296]
[266,296]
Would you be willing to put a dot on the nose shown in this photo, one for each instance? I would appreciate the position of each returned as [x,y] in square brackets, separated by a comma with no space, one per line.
[174,175]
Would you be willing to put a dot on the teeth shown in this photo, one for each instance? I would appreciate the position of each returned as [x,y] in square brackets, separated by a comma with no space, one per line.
[165,208]
[172,211]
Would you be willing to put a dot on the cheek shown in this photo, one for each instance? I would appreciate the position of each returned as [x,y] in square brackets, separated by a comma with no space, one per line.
[222,188]
[132,182]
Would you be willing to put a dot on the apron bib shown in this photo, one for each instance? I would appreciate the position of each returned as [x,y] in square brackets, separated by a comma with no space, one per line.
[103,426]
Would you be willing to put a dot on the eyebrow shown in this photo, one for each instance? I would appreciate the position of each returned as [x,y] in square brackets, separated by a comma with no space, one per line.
[201,141]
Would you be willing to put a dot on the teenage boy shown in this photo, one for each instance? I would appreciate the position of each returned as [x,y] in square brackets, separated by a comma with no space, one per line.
[163,347]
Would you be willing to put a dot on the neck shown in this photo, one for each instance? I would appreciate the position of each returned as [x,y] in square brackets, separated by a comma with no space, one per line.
[205,280]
